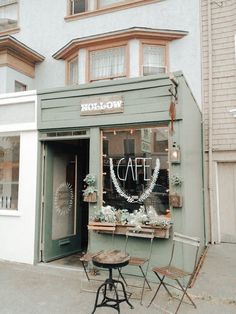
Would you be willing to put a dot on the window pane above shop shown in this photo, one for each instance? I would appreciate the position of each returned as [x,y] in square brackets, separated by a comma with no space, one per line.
[107,63]
[153,59]
[135,167]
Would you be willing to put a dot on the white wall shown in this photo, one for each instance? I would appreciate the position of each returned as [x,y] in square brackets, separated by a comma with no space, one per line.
[3,81]
[13,75]
[46,33]
[17,227]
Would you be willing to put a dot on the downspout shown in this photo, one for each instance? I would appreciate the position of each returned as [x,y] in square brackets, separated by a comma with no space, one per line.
[210,122]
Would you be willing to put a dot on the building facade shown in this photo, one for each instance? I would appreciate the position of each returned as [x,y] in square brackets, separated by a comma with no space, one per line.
[132,41]
[219,91]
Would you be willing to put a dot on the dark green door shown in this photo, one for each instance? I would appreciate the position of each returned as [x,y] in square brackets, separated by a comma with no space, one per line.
[63,221]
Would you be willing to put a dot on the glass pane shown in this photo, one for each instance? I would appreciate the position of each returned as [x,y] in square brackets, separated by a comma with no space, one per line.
[64,198]
[154,60]
[79,6]
[9,171]
[135,165]
[19,87]
[73,79]
[107,63]
[104,3]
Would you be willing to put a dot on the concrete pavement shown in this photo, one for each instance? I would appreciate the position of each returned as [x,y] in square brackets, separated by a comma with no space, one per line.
[26,289]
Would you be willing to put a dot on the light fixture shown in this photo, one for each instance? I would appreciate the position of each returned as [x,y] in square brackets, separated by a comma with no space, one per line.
[175,154]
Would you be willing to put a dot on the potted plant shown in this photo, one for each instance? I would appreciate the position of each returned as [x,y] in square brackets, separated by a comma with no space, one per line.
[90,192]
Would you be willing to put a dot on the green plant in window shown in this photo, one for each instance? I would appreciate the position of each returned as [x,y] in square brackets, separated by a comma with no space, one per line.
[89,192]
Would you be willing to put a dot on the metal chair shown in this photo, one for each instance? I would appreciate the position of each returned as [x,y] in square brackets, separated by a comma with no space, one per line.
[97,227]
[171,272]
[140,262]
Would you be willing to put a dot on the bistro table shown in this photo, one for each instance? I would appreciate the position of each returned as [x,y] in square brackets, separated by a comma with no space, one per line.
[111,259]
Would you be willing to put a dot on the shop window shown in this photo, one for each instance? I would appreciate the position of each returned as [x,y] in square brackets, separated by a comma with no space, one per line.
[73,71]
[78,6]
[154,59]
[9,172]
[107,63]
[105,147]
[8,14]
[20,87]
[137,159]
[129,147]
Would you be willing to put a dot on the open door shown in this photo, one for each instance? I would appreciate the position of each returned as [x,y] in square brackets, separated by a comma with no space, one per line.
[66,164]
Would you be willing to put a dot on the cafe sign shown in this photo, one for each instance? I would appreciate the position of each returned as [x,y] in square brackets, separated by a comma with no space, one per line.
[102,105]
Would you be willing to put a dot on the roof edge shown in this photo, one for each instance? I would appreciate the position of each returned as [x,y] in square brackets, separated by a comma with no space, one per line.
[10,42]
[124,34]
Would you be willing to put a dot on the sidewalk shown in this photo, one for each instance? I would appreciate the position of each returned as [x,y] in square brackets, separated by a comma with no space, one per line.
[26,289]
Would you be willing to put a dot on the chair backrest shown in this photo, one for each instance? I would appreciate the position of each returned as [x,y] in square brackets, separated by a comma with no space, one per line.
[145,233]
[105,227]
[188,241]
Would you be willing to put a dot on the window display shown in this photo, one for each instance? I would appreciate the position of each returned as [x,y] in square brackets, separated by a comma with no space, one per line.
[135,168]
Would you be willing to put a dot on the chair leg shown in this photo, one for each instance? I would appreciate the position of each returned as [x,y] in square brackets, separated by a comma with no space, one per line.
[158,288]
[184,293]
[164,285]
[85,270]
[145,278]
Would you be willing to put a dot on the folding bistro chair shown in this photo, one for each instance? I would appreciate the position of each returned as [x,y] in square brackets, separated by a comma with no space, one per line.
[171,272]
[137,261]
[86,259]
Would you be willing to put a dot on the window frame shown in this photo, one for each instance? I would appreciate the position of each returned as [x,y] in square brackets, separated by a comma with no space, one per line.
[159,43]
[106,47]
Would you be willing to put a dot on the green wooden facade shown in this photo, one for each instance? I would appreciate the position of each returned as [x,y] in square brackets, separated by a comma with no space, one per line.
[146,102]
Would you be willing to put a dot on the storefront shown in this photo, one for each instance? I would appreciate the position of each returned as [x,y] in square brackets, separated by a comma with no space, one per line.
[138,143]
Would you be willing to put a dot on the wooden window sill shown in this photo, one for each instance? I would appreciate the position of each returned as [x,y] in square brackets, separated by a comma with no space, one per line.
[117,7]
[160,232]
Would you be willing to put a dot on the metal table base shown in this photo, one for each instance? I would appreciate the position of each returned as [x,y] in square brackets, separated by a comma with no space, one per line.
[109,285]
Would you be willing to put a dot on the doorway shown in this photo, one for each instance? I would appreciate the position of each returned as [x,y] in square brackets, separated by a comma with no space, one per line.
[64,214]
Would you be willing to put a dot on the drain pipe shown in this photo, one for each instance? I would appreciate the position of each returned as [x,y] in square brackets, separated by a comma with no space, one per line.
[210,122]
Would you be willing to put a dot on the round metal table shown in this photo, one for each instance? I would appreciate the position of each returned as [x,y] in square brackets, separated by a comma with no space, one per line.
[111,259]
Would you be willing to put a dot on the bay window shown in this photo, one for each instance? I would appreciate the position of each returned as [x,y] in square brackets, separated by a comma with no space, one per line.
[108,63]
[135,168]
[9,171]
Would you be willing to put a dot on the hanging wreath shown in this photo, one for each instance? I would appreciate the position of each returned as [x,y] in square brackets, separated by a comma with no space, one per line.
[147,191]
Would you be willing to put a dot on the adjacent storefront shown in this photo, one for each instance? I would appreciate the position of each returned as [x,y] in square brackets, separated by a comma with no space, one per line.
[127,152]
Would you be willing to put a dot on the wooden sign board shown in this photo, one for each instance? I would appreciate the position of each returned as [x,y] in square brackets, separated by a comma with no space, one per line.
[101,105]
